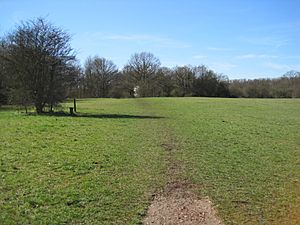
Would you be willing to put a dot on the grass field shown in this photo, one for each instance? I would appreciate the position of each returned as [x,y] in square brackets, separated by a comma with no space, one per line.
[103,166]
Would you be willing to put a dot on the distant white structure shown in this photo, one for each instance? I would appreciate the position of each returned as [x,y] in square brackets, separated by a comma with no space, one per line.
[135,91]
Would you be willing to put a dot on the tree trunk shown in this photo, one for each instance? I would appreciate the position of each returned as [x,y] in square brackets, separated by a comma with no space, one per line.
[75,105]
[39,108]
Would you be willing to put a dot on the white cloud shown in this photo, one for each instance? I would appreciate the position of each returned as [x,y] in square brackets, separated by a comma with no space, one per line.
[219,49]
[257,56]
[130,37]
[277,27]
[281,67]
[275,42]
[199,57]
[223,66]
[148,39]
[291,57]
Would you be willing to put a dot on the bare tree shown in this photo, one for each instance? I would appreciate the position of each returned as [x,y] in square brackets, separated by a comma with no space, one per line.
[141,69]
[3,77]
[185,78]
[41,61]
[165,82]
[210,84]
[99,74]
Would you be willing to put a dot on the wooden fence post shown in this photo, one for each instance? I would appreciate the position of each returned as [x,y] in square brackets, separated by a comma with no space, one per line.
[74,104]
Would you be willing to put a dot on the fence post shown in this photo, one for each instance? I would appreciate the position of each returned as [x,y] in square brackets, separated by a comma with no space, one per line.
[71,110]
[74,104]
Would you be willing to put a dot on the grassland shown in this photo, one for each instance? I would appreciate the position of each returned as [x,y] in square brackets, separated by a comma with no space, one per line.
[102,167]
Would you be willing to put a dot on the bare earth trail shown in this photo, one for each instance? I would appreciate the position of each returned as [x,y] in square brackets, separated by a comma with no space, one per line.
[178,202]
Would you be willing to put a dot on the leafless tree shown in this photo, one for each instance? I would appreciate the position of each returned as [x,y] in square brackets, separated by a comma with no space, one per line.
[99,74]
[185,78]
[41,61]
[287,86]
[142,68]
[3,78]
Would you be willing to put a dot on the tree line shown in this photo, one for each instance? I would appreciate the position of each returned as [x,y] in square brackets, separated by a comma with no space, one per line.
[287,86]
[143,76]
[38,67]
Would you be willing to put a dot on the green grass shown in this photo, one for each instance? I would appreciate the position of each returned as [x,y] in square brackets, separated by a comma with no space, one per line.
[243,153]
[58,170]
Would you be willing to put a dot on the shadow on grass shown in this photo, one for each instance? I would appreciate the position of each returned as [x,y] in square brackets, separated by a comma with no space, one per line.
[4,108]
[99,116]
[10,108]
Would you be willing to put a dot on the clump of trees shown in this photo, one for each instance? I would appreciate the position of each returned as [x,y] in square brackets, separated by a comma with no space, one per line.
[143,76]
[287,86]
[141,72]
[39,64]
[3,79]
[99,75]
[38,67]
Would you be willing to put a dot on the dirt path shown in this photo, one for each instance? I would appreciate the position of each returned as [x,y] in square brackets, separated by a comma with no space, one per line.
[178,202]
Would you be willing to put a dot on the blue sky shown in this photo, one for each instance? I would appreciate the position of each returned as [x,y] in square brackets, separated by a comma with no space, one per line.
[239,38]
